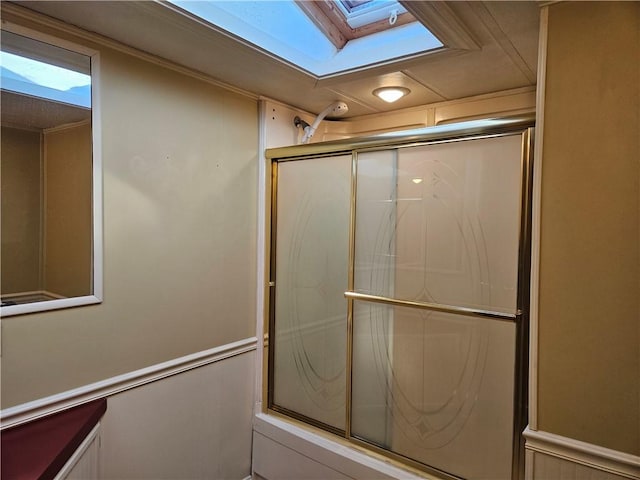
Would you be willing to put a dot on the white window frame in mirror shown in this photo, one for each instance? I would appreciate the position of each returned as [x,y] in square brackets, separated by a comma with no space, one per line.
[97,239]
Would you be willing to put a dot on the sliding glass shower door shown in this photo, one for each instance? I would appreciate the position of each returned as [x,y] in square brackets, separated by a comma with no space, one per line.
[397,305]
[312,251]
[436,276]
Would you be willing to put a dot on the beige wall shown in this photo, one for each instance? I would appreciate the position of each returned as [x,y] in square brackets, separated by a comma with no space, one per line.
[180,178]
[21,210]
[67,227]
[589,349]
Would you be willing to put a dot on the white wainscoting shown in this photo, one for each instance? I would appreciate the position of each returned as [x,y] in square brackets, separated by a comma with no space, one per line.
[193,425]
[190,417]
[84,463]
[553,457]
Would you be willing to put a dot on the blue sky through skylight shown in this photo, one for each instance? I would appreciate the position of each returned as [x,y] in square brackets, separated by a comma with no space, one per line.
[272,25]
[281,28]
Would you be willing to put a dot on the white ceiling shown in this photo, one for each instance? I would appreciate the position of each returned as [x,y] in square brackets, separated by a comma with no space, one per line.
[492,46]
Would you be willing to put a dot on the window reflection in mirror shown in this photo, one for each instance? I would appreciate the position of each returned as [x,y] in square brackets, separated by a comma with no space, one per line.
[48,257]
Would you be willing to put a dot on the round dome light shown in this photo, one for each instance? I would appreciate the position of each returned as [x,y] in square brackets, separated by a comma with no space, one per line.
[391,94]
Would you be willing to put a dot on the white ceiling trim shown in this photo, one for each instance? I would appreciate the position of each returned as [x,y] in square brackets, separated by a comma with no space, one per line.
[503,40]
[426,85]
[442,21]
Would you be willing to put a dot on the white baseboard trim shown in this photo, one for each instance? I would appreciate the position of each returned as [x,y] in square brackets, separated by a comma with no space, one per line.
[583,453]
[26,412]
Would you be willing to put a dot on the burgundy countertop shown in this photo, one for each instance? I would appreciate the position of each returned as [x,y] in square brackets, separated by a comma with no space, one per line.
[39,449]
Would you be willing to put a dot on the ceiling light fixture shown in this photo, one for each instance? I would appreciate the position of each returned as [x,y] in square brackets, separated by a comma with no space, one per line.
[391,94]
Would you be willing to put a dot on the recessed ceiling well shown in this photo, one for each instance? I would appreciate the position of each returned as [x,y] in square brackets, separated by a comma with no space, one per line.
[488,47]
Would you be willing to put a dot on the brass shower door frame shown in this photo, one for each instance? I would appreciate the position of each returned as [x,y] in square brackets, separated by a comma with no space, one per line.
[428,136]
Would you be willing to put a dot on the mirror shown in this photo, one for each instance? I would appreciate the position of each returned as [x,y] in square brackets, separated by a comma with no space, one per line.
[50,187]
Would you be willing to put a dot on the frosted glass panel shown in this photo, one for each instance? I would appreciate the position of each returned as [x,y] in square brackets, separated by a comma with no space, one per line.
[376,221]
[435,387]
[447,230]
[312,258]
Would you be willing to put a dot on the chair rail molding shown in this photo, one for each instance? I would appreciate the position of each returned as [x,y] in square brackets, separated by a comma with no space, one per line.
[620,464]
[26,412]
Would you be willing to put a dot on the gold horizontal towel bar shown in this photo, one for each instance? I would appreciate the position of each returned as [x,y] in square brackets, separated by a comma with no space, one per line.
[436,307]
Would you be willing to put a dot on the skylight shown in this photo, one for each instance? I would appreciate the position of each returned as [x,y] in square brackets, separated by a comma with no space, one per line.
[283,29]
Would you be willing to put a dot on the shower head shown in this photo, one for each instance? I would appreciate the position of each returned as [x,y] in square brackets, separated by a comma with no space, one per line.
[336,109]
